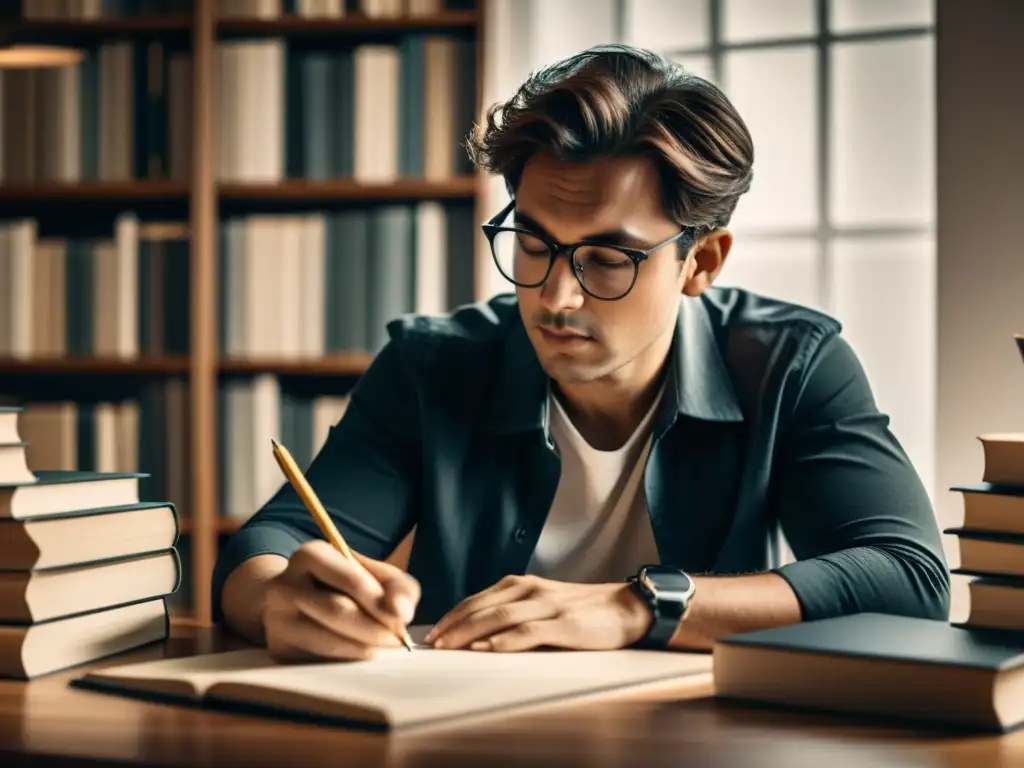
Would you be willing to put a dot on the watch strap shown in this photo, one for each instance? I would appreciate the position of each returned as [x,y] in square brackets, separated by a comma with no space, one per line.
[666,616]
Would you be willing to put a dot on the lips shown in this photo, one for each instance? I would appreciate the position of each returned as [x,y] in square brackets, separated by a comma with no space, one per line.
[563,336]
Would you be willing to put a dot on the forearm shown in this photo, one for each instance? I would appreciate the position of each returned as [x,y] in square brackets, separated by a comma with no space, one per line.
[243,595]
[727,605]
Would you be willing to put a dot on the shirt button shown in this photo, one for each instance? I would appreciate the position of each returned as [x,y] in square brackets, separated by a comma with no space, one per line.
[520,534]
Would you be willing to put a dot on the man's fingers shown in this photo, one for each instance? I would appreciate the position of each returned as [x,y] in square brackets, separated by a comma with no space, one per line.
[328,566]
[509,589]
[494,619]
[341,614]
[491,620]
[522,637]
[368,582]
[305,640]
[401,591]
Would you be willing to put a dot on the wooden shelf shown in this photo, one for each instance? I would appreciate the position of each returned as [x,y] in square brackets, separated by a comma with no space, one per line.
[94,191]
[79,29]
[350,24]
[287,24]
[94,366]
[302,191]
[191,208]
[352,364]
[292,190]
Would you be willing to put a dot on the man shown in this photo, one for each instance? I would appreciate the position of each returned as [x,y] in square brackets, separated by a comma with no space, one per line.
[616,412]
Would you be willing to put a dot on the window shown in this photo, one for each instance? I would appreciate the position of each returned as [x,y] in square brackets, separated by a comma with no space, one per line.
[839,97]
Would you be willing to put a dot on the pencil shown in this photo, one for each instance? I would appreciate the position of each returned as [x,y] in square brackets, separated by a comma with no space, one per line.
[330,531]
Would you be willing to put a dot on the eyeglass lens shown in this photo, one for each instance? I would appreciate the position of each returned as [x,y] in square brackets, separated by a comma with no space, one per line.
[525,259]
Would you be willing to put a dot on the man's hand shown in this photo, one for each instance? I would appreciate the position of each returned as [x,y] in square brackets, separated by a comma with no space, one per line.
[322,606]
[523,612]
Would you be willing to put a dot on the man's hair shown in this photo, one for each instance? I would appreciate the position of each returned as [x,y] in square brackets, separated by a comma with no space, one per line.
[616,100]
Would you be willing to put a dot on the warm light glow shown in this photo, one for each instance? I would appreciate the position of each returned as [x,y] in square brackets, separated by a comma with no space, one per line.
[37,56]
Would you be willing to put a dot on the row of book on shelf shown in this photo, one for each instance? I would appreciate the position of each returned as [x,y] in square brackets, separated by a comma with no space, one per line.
[991,535]
[241,9]
[150,433]
[291,285]
[369,111]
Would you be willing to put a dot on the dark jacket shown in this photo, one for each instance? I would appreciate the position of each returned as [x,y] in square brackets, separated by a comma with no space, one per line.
[768,424]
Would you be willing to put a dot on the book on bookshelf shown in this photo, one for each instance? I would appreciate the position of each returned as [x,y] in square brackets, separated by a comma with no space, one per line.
[209,221]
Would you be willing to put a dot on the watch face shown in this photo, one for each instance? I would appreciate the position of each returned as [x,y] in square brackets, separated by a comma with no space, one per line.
[667,579]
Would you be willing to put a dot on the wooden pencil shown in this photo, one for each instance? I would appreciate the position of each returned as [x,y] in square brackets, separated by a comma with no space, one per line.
[316,509]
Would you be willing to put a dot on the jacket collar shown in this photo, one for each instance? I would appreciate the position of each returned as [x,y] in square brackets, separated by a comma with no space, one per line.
[699,384]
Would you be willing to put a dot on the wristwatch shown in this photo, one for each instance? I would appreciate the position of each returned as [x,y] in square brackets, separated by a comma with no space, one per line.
[668,593]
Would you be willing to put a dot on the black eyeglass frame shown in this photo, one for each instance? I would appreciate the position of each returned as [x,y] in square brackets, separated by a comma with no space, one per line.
[636,255]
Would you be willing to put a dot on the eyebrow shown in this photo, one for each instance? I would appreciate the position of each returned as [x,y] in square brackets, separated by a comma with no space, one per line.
[609,236]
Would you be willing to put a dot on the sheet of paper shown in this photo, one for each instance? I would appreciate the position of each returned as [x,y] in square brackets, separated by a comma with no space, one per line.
[437,683]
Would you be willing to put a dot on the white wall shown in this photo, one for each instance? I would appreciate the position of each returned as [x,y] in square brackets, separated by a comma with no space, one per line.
[980,245]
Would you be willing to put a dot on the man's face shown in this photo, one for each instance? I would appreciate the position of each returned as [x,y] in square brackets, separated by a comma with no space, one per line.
[577,337]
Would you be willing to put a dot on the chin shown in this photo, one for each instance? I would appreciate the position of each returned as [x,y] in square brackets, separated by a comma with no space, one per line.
[567,370]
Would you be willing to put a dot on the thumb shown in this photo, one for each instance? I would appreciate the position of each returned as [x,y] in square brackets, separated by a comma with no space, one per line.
[401,590]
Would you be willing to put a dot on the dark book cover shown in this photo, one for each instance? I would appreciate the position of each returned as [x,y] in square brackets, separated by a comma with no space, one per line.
[893,638]
[994,489]
[64,476]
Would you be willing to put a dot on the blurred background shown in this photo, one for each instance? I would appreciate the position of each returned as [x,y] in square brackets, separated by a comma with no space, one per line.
[209,210]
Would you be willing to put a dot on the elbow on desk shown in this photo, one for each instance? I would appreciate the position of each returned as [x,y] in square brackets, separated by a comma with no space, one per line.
[929,592]
[912,581]
[898,579]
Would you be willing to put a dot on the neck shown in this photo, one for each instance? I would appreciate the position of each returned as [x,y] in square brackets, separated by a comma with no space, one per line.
[607,411]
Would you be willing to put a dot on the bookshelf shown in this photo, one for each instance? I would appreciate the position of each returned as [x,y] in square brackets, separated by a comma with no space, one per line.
[191,202]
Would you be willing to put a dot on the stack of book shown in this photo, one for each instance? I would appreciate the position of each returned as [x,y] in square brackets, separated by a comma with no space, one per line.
[991,538]
[85,567]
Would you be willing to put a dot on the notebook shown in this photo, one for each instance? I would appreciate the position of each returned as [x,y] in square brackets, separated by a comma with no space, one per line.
[397,689]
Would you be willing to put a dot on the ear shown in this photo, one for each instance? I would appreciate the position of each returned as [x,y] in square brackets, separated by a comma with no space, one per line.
[707,259]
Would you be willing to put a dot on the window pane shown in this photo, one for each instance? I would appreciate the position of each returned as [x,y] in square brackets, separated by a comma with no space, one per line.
[697,63]
[667,25]
[780,269]
[858,15]
[884,294]
[775,94]
[882,131]
[759,20]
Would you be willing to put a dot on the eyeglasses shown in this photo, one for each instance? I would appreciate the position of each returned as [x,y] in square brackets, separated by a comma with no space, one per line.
[606,272]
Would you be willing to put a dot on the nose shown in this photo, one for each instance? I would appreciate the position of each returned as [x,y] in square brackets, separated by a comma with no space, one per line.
[561,291]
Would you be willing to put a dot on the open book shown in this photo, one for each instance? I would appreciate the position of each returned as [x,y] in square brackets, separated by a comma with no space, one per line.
[396,689]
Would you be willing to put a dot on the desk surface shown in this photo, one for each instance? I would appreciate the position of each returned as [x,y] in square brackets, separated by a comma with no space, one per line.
[44,722]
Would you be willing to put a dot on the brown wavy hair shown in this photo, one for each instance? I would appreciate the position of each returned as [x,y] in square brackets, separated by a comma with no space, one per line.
[619,100]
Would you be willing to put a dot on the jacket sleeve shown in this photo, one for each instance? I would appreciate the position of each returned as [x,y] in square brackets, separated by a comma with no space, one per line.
[851,505]
[366,475]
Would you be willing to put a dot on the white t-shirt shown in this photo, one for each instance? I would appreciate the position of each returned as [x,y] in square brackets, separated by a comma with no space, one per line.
[598,529]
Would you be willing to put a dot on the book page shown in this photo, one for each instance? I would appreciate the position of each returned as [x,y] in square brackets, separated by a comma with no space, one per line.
[404,688]
[198,672]
[188,675]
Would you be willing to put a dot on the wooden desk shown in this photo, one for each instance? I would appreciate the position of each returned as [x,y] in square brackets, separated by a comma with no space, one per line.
[45,722]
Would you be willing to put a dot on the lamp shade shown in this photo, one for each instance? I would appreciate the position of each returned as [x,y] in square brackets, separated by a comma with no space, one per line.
[27,56]
[17,52]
